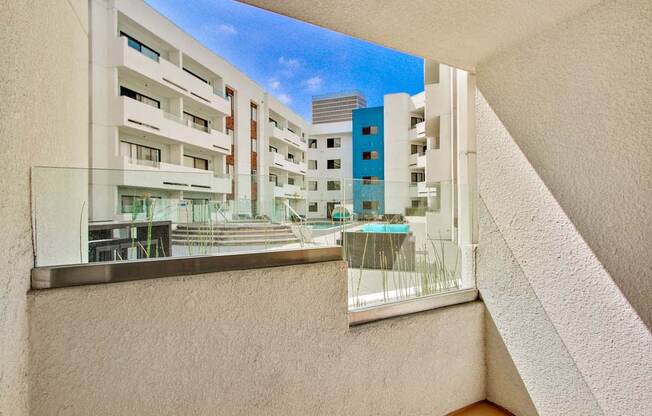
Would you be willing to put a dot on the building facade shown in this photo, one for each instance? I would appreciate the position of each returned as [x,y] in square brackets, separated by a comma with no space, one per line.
[337,107]
[368,161]
[171,120]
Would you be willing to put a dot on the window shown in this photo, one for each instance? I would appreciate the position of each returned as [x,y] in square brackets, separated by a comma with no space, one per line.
[414,121]
[273,178]
[369,180]
[254,112]
[312,186]
[333,185]
[273,149]
[417,177]
[290,157]
[140,47]
[139,152]
[370,205]
[372,155]
[418,149]
[333,164]
[333,142]
[290,180]
[274,122]
[313,207]
[312,164]
[131,204]
[196,122]
[369,130]
[196,76]
[312,143]
[195,162]
[126,92]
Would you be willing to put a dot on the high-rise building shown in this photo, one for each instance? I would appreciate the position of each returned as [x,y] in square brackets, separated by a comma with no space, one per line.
[330,108]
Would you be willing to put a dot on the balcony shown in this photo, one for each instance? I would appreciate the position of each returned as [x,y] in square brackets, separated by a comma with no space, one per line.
[168,75]
[278,161]
[145,118]
[287,136]
[289,191]
[418,133]
[417,161]
[137,173]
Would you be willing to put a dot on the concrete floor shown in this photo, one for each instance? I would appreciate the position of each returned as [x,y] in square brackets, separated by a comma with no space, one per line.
[481,409]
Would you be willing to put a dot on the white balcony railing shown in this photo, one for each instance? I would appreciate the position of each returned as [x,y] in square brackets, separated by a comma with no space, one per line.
[280,162]
[418,132]
[138,173]
[169,75]
[287,136]
[136,115]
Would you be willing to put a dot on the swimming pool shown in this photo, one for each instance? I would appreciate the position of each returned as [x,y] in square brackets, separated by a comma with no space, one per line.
[386,228]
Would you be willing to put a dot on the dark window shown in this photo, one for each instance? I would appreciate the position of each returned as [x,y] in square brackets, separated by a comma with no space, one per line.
[372,155]
[313,207]
[196,122]
[334,142]
[312,143]
[126,92]
[291,157]
[273,149]
[333,185]
[273,178]
[254,112]
[414,121]
[417,176]
[271,120]
[312,164]
[370,205]
[196,76]
[369,130]
[290,181]
[195,162]
[333,164]
[369,180]
[140,152]
[140,47]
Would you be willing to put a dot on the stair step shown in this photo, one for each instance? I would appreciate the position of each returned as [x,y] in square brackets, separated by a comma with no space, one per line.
[234,242]
[239,238]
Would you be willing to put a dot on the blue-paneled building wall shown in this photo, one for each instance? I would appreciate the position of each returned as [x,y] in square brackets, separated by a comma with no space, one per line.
[368,161]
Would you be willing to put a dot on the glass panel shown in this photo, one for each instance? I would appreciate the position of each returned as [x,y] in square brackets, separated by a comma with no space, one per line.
[400,239]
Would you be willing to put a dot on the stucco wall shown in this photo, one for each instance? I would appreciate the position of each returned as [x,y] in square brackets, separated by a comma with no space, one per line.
[563,319]
[44,120]
[577,99]
[260,342]
[504,385]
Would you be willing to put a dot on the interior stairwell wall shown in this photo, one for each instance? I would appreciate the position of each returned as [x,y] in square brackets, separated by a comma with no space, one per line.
[565,172]
[43,121]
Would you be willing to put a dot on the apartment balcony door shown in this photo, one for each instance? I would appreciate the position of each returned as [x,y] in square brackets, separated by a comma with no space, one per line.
[330,207]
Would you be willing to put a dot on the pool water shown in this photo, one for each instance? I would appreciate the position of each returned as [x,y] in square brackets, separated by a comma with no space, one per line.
[386,228]
[322,225]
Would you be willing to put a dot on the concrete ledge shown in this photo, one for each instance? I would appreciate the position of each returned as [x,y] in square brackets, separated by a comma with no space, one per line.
[124,271]
[407,307]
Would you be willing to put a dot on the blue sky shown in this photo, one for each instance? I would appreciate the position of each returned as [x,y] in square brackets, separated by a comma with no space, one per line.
[291,59]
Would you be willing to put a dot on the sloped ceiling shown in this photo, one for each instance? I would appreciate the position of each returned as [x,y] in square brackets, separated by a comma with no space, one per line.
[457,32]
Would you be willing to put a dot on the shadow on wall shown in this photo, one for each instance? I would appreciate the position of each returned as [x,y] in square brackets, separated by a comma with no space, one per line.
[551,299]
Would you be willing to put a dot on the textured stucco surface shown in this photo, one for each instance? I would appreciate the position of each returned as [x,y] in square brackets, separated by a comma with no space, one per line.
[577,100]
[44,120]
[261,342]
[551,299]
[504,385]
[458,33]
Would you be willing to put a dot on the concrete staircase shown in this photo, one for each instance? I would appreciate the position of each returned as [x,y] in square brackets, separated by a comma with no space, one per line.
[233,234]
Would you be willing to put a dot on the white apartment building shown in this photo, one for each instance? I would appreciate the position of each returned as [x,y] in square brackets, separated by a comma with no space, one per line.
[195,126]
[329,167]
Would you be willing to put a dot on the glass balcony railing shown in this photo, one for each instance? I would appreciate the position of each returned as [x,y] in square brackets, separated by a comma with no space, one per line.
[394,250]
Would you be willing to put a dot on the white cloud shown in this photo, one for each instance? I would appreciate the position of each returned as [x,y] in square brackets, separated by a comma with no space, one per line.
[284,98]
[313,84]
[229,29]
[274,84]
[290,63]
